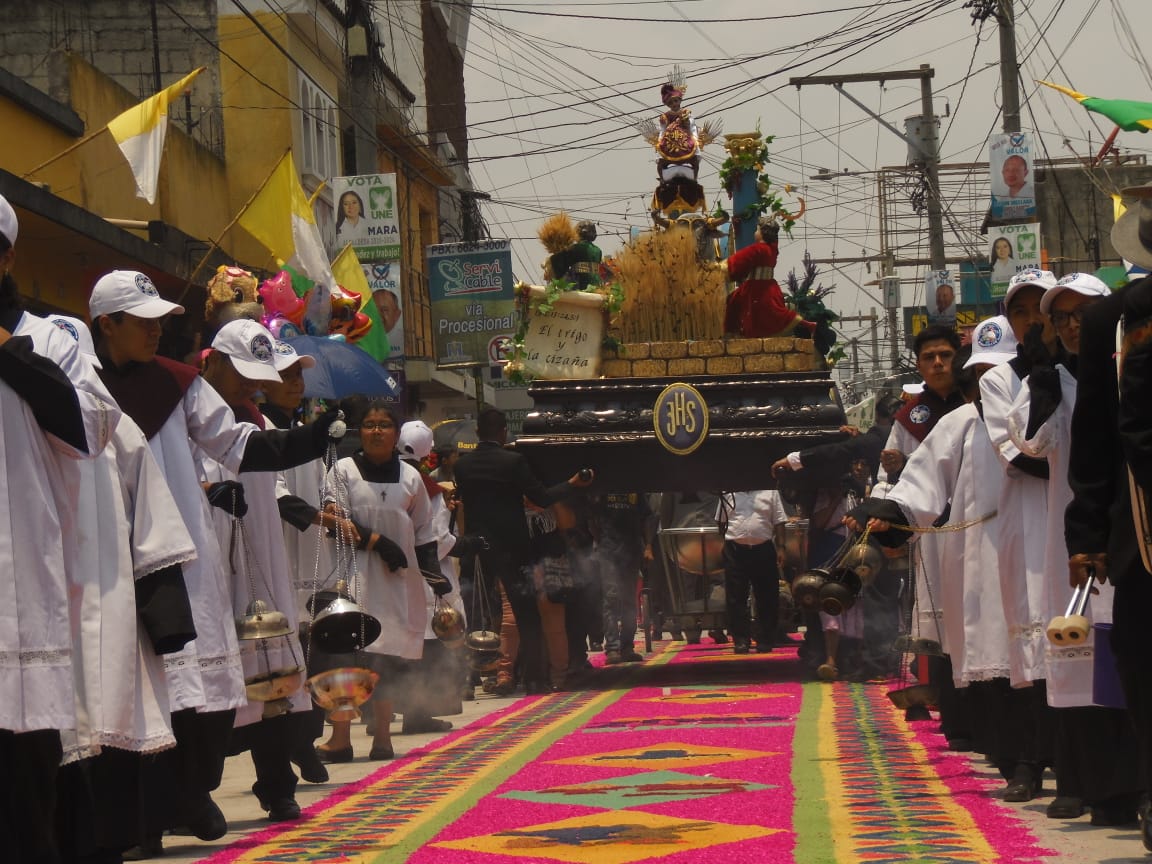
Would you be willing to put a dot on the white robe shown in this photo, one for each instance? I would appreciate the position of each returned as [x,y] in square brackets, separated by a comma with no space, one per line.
[38,508]
[402,512]
[1068,669]
[129,528]
[957,464]
[445,540]
[207,674]
[1023,510]
[258,569]
[311,557]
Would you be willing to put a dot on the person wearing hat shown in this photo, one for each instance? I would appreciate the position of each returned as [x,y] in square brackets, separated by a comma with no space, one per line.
[180,414]
[1094,745]
[56,413]
[954,471]
[236,368]
[1023,512]
[1099,529]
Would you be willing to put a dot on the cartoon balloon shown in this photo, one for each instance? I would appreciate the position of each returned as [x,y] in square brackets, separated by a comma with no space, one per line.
[279,299]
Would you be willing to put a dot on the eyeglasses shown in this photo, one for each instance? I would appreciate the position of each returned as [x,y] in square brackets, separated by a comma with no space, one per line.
[376,427]
[1063,319]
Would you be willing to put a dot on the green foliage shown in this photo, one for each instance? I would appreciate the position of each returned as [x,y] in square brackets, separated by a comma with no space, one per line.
[807,298]
[767,200]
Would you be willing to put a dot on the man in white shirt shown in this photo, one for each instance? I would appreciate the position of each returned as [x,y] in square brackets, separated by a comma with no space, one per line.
[750,561]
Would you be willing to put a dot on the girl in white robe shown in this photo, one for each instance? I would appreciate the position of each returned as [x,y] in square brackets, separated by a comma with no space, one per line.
[387,499]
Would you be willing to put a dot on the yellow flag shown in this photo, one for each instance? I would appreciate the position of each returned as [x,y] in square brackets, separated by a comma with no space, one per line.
[348,272]
[1118,208]
[140,133]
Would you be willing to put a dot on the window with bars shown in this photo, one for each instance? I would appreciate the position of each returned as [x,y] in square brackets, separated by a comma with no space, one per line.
[319,133]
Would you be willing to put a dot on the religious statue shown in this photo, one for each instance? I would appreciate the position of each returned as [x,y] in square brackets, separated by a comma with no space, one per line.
[678,140]
[573,253]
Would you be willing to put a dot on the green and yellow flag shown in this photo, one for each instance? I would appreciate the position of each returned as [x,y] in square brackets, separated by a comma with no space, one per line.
[348,272]
[1128,115]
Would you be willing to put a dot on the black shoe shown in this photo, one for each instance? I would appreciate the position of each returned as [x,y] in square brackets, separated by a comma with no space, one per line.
[1146,825]
[150,847]
[595,647]
[1068,807]
[740,646]
[917,712]
[312,770]
[424,725]
[964,745]
[1025,784]
[343,754]
[613,658]
[205,820]
[283,810]
[381,754]
[719,637]
[541,688]
[1113,817]
[630,655]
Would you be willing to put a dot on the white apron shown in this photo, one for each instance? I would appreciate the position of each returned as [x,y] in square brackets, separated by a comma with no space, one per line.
[955,463]
[1069,669]
[1023,510]
[207,674]
[403,513]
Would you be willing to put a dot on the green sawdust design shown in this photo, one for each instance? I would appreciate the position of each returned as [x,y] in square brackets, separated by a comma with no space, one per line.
[811,825]
[462,804]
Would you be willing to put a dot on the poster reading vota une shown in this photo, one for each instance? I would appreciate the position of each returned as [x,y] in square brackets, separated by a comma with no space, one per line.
[473,299]
[1014,248]
[367,217]
[1010,164]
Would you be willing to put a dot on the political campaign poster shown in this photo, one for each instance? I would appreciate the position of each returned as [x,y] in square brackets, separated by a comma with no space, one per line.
[940,298]
[473,300]
[384,280]
[1010,164]
[367,216]
[1014,248]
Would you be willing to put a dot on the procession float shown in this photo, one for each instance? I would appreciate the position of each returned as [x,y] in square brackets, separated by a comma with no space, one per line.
[679,367]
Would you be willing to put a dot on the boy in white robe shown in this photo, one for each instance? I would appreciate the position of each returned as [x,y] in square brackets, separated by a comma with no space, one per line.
[1094,745]
[1023,512]
[46,421]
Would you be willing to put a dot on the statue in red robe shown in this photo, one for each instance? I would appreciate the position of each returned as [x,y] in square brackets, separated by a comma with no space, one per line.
[756,308]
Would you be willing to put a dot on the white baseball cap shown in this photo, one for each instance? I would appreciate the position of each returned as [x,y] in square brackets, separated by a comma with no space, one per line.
[285,356]
[1081,283]
[993,342]
[415,439]
[79,331]
[9,225]
[1030,276]
[914,389]
[129,291]
[250,347]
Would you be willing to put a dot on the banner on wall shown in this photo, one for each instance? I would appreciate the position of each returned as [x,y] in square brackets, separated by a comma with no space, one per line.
[1013,248]
[367,216]
[473,300]
[1010,164]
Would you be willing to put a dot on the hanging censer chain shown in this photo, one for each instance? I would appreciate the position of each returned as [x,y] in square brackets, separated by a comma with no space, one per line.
[332,491]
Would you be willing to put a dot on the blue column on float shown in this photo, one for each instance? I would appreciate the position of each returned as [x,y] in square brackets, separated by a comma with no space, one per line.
[744,195]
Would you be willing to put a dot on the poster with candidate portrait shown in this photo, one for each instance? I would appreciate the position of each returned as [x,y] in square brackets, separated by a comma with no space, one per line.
[384,280]
[940,298]
[367,216]
[1013,248]
[1010,165]
[473,299]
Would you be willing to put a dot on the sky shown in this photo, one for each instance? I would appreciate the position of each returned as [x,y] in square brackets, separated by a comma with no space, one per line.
[554,91]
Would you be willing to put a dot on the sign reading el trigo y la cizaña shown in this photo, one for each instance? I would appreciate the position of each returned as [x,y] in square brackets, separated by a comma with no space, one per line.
[473,297]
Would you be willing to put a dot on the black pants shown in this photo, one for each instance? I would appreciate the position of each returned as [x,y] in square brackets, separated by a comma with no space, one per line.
[1130,643]
[176,778]
[619,574]
[1096,756]
[271,743]
[516,580]
[29,763]
[755,567]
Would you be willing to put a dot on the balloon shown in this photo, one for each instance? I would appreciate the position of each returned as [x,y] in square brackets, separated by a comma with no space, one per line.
[279,298]
[281,327]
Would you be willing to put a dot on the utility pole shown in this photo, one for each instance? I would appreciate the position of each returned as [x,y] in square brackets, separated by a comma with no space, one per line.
[1009,73]
[926,147]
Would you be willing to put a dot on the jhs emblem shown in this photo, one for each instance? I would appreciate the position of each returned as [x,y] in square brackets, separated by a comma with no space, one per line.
[920,414]
[680,417]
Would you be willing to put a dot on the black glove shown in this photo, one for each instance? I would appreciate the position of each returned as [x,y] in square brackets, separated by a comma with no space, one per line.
[438,582]
[393,555]
[228,495]
[1046,393]
[469,544]
[1031,352]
